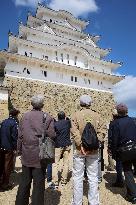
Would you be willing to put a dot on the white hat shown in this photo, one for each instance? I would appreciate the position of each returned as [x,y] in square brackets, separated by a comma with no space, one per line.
[85,100]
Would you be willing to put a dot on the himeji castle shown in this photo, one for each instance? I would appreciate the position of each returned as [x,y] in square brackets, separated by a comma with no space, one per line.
[53,56]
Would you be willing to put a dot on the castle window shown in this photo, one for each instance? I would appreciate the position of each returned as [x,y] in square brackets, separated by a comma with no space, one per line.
[30,54]
[24,70]
[25,53]
[72,78]
[59,75]
[75,60]
[50,20]
[89,81]
[56,53]
[98,82]
[75,79]
[61,57]
[86,64]
[101,83]
[68,58]
[28,72]
[46,57]
[2,72]
[45,73]
[85,80]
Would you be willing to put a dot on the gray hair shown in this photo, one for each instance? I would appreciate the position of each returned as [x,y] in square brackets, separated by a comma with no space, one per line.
[85,100]
[37,101]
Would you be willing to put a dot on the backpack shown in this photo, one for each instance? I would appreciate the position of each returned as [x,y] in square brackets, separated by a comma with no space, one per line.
[89,138]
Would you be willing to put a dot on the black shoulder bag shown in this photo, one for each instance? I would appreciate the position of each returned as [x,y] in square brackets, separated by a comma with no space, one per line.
[127,152]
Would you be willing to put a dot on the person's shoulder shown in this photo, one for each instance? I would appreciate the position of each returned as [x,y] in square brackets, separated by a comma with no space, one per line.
[74,114]
[94,113]
[49,116]
[27,113]
[4,121]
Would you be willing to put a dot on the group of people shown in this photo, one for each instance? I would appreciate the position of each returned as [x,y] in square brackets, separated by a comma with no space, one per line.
[85,130]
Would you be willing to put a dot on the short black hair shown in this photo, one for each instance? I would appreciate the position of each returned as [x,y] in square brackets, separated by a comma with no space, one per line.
[61,115]
[14,112]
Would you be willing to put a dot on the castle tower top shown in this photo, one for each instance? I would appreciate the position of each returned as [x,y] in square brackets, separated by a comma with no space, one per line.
[60,16]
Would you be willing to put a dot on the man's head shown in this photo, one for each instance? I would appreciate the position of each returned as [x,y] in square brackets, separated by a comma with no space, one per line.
[85,101]
[14,112]
[61,115]
[122,109]
[37,102]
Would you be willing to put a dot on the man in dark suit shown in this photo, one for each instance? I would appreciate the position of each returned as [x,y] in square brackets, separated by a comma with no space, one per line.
[124,131]
[8,145]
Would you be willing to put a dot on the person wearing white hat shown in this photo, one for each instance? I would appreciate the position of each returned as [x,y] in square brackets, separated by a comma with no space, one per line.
[86,156]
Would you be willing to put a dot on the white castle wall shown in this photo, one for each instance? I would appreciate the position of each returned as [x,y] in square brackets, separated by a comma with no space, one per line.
[59,20]
[45,38]
[50,75]
[50,55]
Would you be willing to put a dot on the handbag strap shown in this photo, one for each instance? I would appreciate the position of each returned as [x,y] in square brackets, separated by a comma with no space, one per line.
[44,123]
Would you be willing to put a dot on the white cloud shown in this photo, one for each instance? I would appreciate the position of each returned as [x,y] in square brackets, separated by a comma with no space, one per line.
[29,3]
[76,7]
[124,92]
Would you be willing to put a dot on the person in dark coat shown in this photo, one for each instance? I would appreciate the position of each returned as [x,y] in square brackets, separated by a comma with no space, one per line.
[31,128]
[8,145]
[119,182]
[63,147]
[123,131]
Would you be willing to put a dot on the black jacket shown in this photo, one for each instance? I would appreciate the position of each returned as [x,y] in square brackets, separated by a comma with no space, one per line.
[9,134]
[62,128]
[121,131]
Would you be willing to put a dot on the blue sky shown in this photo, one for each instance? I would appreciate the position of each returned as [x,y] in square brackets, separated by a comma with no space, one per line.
[114,20]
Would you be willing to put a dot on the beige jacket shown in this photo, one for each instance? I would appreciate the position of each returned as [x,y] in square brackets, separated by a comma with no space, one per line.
[79,120]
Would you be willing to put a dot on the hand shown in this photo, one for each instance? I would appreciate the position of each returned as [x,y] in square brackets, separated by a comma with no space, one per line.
[83,151]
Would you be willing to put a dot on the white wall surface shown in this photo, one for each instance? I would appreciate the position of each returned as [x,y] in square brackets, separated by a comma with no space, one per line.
[37,73]
[82,58]
[55,19]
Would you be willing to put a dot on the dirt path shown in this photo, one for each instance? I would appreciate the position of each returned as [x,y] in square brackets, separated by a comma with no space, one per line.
[108,195]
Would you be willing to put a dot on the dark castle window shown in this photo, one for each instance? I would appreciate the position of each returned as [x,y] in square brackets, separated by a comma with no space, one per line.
[75,60]
[72,78]
[45,73]
[28,72]
[24,70]
[61,57]
[68,58]
[46,57]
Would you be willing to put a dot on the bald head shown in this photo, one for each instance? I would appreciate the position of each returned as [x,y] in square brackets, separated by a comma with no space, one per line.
[122,109]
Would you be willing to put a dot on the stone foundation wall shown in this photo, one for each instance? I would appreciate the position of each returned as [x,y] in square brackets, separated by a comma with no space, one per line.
[3,110]
[57,97]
